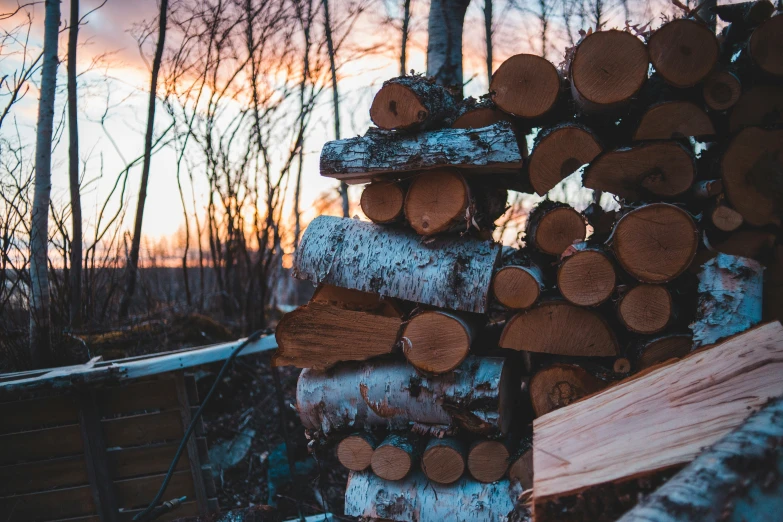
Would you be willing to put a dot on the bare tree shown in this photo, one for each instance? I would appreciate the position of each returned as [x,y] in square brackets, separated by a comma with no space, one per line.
[75,283]
[406,20]
[444,47]
[488,37]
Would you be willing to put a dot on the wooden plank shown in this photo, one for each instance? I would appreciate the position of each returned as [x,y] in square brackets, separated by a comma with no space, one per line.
[143,460]
[42,475]
[48,505]
[95,455]
[192,447]
[40,444]
[192,388]
[138,396]
[37,413]
[142,429]
[138,492]
[661,418]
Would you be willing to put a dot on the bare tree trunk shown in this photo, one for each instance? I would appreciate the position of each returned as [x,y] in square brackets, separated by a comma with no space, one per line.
[75,283]
[444,48]
[406,19]
[305,19]
[40,339]
[488,36]
[133,262]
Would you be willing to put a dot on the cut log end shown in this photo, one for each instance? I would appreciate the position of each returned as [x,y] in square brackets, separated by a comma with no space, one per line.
[721,90]
[478,118]
[673,120]
[436,201]
[436,342]
[393,458]
[683,52]
[726,218]
[655,243]
[522,469]
[525,85]
[553,228]
[560,385]
[766,46]
[443,461]
[382,201]
[559,154]
[517,287]
[646,309]
[662,349]
[397,107]
[355,452]
[586,278]
[621,365]
[762,105]
[488,460]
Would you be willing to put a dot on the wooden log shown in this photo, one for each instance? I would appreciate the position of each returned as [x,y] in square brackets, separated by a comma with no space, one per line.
[552,227]
[355,451]
[526,86]
[607,69]
[521,468]
[725,218]
[518,287]
[762,105]
[751,168]
[663,169]
[452,273]
[382,154]
[686,406]
[391,394]
[488,460]
[655,243]
[766,46]
[437,201]
[475,114]
[416,498]
[721,90]
[649,352]
[559,385]
[747,242]
[382,201]
[436,342]
[586,275]
[674,120]
[348,299]
[395,457]
[683,52]
[560,328]
[443,460]
[646,309]
[411,103]
[559,152]
[736,479]
[707,189]
[730,298]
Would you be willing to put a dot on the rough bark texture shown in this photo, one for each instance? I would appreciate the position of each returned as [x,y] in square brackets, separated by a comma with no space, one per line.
[416,499]
[474,114]
[448,273]
[392,394]
[730,298]
[444,46]
[378,154]
[411,103]
[739,478]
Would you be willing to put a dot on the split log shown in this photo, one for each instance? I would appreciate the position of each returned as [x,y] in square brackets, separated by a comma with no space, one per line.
[751,170]
[436,342]
[708,189]
[382,154]
[518,287]
[683,52]
[607,69]
[586,275]
[730,298]
[655,243]
[452,273]
[382,201]
[559,385]
[736,479]
[725,218]
[665,169]
[443,460]
[559,152]
[552,227]
[526,86]
[559,328]
[356,300]
[418,499]
[766,46]
[395,457]
[411,103]
[649,352]
[391,394]
[721,90]
[355,451]
[646,309]
[488,460]
[687,405]
[521,468]
[762,105]
[673,120]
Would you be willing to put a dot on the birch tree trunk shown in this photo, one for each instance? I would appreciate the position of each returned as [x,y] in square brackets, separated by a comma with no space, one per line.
[75,283]
[40,339]
[444,47]
[133,262]
[406,19]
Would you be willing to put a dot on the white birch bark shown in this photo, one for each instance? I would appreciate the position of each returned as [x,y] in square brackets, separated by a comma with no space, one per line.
[417,499]
[444,46]
[453,273]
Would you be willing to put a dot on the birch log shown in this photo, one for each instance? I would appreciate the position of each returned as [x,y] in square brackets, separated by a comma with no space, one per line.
[391,394]
[740,478]
[417,499]
[411,103]
[453,273]
[378,154]
[730,298]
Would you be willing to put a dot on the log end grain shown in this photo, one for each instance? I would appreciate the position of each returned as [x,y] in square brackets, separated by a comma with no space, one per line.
[391,462]
[488,460]
[558,153]
[683,52]
[663,348]
[646,309]
[559,385]
[522,469]
[517,287]
[722,89]
[673,120]
[397,107]
[766,46]
[726,218]
[586,278]
[382,201]
[525,85]
[355,452]
[436,201]
[443,461]
[436,342]
[553,227]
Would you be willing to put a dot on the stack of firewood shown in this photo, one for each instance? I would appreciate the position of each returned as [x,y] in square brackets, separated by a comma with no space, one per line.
[429,349]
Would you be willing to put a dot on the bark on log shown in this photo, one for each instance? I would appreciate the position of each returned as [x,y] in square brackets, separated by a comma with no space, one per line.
[586,275]
[646,309]
[416,499]
[559,385]
[730,298]
[673,120]
[381,154]
[436,342]
[518,287]
[355,451]
[607,69]
[762,105]
[552,227]
[558,153]
[722,89]
[452,273]
[737,479]
[391,394]
[751,170]
[488,460]
[382,201]
[526,86]
[743,19]
[411,103]
[665,169]
[396,456]
[655,243]
[708,189]
[443,460]
[560,328]
[766,46]
[649,352]
[521,468]
[683,52]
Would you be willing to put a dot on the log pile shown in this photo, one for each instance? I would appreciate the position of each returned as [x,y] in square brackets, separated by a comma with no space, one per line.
[452,374]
